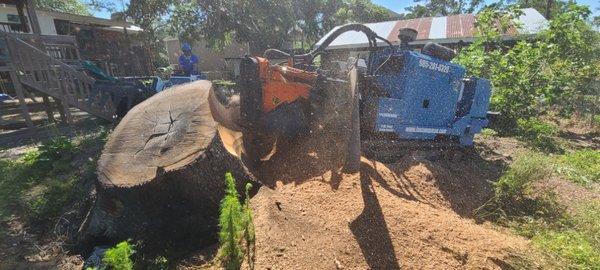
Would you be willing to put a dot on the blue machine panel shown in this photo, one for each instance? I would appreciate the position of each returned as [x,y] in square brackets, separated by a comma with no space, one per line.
[426,96]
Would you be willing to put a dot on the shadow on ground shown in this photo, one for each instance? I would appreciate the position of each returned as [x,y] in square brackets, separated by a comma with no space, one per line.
[370,228]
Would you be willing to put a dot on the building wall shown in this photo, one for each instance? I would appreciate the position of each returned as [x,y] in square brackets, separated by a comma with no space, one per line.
[210,60]
[46,21]
[46,24]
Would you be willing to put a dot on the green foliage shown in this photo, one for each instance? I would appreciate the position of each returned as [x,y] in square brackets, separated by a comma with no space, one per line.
[569,239]
[55,195]
[230,223]
[571,246]
[119,256]
[554,69]
[57,152]
[488,132]
[42,181]
[573,240]
[538,133]
[512,192]
[432,8]
[582,166]
[67,6]
[236,227]
[262,24]
[515,184]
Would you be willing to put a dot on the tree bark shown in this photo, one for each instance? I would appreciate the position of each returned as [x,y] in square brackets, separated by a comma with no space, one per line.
[161,173]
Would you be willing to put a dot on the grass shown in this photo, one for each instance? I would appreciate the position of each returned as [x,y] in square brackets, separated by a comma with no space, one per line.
[582,166]
[513,192]
[569,240]
[40,183]
[539,134]
[573,242]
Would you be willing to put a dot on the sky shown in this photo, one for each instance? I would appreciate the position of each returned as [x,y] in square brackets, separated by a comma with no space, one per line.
[397,6]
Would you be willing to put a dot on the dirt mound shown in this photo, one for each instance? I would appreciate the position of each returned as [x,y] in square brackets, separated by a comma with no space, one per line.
[410,214]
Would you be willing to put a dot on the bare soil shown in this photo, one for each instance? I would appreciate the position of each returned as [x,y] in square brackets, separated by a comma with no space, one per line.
[411,214]
[404,215]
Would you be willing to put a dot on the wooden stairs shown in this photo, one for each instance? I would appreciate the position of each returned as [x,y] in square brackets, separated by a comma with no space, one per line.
[34,68]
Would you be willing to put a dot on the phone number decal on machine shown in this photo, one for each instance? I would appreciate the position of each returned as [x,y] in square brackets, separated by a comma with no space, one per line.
[434,66]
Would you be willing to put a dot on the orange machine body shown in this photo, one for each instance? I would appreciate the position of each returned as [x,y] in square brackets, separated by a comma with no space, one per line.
[283,84]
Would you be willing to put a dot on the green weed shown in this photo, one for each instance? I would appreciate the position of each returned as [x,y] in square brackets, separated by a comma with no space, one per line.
[539,134]
[582,166]
[56,194]
[569,247]
[574,241]
[43,180]
[513,191]
[488,132]
[569,240]
[119,256]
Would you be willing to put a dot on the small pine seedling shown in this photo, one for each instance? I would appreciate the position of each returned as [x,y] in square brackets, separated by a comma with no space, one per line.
[231,226]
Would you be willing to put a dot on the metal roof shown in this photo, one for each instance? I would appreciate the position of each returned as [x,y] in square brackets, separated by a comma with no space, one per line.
[450,29]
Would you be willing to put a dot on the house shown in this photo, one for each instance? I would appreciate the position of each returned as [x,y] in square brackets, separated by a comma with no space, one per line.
[453,31]
[111,44]
[41,56]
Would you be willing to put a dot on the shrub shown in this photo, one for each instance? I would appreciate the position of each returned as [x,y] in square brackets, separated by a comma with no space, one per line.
[236,227]
[556,68]
[230,223]
[119,256]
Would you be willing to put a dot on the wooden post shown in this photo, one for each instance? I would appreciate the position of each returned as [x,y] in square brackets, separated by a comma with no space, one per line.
[65,114]
[19,89]
[48,108]
[35,24]
[22,17]
[63,103]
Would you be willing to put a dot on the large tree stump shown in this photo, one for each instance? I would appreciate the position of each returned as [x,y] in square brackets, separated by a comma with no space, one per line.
[161,173]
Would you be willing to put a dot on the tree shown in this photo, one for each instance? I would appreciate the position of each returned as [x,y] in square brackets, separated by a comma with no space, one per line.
[267,23]
[261,23]
[149,14]
[549,8]
[557,68]
[431,8]
[66,6]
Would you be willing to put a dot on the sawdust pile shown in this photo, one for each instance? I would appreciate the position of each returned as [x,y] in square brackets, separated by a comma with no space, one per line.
[411,214]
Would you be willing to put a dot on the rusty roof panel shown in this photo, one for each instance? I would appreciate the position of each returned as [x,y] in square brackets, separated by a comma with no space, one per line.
[424,28]
[467,24]
[453,28]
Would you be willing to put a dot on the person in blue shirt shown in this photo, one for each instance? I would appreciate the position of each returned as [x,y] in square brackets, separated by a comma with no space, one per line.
[188,61]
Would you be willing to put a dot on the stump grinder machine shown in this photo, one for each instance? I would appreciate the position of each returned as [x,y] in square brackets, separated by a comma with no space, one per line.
[399,98]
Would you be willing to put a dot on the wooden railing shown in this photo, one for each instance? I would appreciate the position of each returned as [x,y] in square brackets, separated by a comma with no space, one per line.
[40,71]
[11,27]
[65,53]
